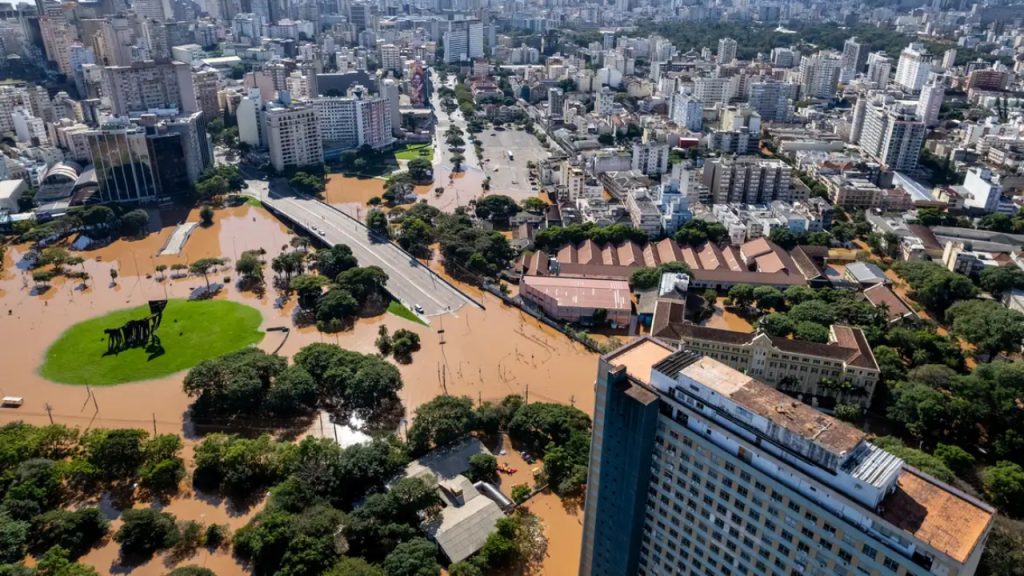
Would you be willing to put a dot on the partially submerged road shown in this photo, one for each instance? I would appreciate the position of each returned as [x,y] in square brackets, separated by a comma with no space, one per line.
[409,281]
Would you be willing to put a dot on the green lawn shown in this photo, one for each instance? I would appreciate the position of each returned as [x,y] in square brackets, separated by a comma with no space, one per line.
[412,151]
[191,331]
[396,308]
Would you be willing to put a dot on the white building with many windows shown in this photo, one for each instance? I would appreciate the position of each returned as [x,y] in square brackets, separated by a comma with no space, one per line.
[293,136]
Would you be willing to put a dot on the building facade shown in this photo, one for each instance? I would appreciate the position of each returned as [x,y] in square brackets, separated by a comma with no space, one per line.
[697,469]
[293,136]
[747,179]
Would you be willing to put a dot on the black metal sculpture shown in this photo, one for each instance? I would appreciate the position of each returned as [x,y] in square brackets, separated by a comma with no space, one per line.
[137,333]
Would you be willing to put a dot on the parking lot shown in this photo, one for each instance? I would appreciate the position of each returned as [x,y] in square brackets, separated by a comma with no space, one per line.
[510,177]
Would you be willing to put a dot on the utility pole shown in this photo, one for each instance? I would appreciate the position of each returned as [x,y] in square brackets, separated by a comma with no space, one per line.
[49,411]
[154,423]
[526,400]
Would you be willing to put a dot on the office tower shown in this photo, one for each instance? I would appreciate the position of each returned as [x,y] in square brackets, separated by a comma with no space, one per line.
[293,136]
[819,75]
[857,119]
[150,85]
[930,102]
[785,57]
[699,469]
[771,99]
[57,33]
[463,41]
[389,90]
[893,135]
[949,59]
[28,128]
[247,113]
[711,90]
[180,148]
[747,179]
[359,15]
[879,69]
[604,102]
[124,165]
[207,86]
[556,101]
[355,120]
[855,57]
[688,112]
[152,9]
[391,58]
[914,66]
[726,50]
[650,155]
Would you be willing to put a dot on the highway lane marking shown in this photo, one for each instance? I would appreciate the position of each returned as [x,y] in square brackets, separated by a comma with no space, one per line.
[388,263]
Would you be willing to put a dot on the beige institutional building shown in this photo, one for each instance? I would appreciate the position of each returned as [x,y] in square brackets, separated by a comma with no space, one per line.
[842,371]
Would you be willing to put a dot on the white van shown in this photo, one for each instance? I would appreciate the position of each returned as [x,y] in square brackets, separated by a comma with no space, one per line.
[12,401]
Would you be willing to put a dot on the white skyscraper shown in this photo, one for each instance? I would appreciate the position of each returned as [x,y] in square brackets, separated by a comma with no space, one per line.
[699,469]
[464,40]
[688,112]
[893,136]
[726,50]
[929,103]
[879,69]
[293,136]
[819,75]
[855,56]
[248,115]
[913,68]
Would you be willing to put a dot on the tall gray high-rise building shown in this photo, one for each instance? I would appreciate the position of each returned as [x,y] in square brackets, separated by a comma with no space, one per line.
[697,469]
[819,75]
[854,59]
[726,50]
[771,99]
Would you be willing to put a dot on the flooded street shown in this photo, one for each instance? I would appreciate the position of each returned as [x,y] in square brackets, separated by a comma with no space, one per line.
[484,354]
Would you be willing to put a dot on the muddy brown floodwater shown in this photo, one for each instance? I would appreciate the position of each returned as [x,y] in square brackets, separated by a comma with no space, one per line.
[485,354]
[350,193]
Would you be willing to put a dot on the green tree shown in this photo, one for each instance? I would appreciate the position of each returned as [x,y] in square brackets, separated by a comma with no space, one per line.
[1004,485]
[117,454]
[933,286]
[776,324]
[988,325]
[783,237]
[206,215]
[956,458]
[76,531]
[404,343]
[204,266]
[417,557]
[420,169]
[145,531]
[742,295]
[810,331]
[13,538]
[768,297]
[57,562]
[377,222]
[464,568]
[496,208]
[439,422]
[644,278]
[334,260]
[416,236]
[191,571]
[1000,279]
[309,288]
[289,264]
[335,310]
[534,204]
[483,467]
[848,412]
[135,222]
[815,311]
[250,267]
[520,492]
[356,567]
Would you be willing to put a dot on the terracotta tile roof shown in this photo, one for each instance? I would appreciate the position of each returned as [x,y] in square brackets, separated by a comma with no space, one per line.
[881,294]
[946,519]
[755,248]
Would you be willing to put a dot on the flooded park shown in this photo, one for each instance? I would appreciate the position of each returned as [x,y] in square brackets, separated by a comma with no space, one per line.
[485,353]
